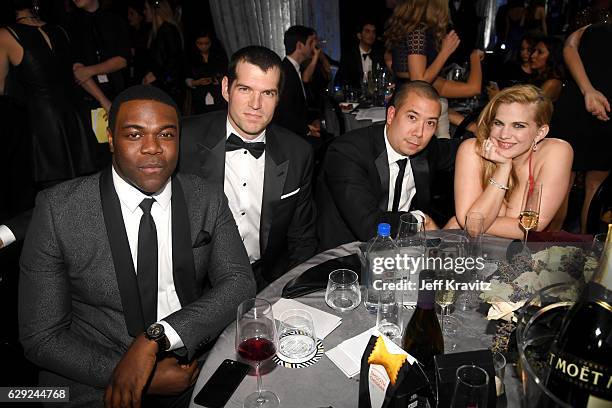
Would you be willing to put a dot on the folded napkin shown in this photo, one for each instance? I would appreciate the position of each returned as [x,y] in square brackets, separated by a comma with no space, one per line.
[315,278]
[347,355]
[324,323]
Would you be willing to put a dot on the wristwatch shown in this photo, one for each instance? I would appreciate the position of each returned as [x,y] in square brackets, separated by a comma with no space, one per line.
[156,333]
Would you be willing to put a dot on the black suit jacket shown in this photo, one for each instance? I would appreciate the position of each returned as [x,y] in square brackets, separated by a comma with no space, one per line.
[351,70]
[287,233]
[353,187]
[292,110]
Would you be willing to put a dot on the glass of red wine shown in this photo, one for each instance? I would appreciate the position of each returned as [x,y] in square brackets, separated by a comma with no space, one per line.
[256,342]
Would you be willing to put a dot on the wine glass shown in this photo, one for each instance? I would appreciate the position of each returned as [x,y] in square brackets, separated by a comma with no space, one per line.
[256,342]
[531,208]
[471,388]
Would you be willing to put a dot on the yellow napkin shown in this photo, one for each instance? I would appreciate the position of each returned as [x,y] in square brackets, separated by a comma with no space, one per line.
[391,362]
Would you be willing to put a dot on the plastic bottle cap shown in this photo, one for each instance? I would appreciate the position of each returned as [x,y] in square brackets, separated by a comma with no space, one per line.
[384,229]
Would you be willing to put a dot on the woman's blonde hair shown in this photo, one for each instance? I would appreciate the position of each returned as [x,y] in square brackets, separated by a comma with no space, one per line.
[525,95]
[409,15]
[162,13]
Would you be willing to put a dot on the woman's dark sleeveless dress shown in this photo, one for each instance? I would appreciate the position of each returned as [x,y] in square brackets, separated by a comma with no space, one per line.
[62,147]
[590,138]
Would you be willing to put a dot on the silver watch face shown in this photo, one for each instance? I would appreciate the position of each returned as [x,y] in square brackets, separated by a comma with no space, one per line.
[155,331]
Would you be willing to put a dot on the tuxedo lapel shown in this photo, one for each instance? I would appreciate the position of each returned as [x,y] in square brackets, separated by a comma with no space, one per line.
[275,174]
[183,268]
[382,166]
[211,151]
[122,257]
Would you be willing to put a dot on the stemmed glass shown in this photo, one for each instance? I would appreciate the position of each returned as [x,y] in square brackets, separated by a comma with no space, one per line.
[256,341]
[471,388]
[531,208]
[446,294]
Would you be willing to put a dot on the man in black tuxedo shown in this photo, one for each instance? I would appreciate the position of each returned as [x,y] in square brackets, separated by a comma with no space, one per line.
[292,110]
[375,174]
[127,274]
[265,170]
[357,61]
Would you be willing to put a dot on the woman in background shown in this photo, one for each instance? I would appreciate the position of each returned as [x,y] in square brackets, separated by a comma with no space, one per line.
[165,67]
[205,70]
[582,114]
[420,46]
[547,66]
[60,146]
[509,152]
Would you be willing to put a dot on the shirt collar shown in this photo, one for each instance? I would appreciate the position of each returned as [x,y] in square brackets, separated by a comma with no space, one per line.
[362,51]
[131,197]
[229,129]
[295,64]
[392,155]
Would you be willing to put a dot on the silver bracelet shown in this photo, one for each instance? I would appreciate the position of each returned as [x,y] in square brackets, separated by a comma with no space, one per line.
[498,185]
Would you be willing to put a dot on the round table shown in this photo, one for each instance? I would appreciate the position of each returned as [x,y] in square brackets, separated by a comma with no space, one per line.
[323,384]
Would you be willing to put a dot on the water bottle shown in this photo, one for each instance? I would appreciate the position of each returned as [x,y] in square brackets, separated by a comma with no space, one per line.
[379,249]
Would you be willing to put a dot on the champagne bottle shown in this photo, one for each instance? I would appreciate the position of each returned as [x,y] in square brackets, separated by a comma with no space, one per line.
[580,359]
[423,337]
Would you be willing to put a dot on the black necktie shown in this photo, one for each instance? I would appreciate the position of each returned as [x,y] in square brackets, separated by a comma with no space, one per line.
[365,55]
[147,263]
[234,143]
[398,184]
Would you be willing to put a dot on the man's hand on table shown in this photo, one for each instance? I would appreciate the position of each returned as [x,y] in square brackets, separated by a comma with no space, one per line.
[172,378]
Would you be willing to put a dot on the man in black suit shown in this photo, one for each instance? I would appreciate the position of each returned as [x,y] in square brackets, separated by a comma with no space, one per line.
[264,170]
[292,110]
[360,59]
[128,270]
[375,174]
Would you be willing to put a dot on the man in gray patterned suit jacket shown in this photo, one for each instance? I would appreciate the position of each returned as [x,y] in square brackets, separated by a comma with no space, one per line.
[127,274]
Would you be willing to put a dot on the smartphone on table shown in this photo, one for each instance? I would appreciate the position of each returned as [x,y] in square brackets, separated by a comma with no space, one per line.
[222,384]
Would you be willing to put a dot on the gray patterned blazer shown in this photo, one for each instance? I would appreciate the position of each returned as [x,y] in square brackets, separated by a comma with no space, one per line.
[78,304]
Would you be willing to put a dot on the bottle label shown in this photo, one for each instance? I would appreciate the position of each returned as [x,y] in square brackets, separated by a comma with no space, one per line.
[592,377]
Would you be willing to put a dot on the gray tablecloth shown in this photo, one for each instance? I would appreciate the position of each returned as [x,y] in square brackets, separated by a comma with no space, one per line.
[323,384]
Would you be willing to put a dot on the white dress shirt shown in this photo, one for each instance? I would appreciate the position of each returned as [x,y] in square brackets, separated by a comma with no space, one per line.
[130,199]
[366,64]
[243,186]
[297,69]
[6,235]
[408,186]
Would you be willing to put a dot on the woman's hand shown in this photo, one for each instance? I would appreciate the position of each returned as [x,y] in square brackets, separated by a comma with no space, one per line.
[597,104]
[476,56]
[450,43]
[492,153]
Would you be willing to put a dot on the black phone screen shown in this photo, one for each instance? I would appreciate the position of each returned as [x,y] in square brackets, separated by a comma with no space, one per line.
[222,384]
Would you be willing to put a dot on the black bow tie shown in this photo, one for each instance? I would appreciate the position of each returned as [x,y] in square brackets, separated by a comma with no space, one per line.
[366,55]
[234,143]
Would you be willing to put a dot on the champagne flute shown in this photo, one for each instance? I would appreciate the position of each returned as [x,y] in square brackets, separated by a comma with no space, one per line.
[256,342]
[531,208]
[446,294]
